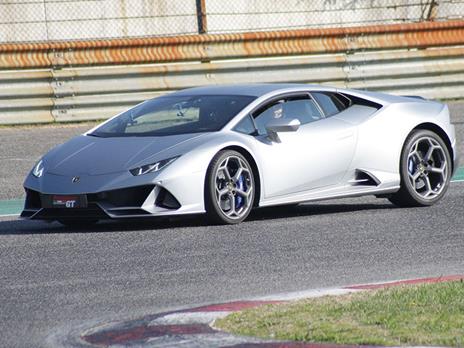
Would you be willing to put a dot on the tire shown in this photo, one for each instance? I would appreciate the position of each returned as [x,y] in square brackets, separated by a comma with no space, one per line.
[425,170]
[229,188]
[77,223]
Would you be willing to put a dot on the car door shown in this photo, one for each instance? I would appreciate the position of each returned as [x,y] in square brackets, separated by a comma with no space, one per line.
[315,156]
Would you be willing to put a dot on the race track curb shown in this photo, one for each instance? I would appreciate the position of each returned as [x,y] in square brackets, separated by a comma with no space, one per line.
[194,327]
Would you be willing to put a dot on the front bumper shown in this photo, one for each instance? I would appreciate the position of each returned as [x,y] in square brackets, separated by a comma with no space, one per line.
[138,201]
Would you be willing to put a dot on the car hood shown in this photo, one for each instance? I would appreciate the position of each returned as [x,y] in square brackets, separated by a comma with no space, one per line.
[96,156]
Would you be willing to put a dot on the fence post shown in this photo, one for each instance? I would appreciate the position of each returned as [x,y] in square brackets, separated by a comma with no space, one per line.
[201,17]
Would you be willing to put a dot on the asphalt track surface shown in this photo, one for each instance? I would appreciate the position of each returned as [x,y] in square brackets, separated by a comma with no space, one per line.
[53,279]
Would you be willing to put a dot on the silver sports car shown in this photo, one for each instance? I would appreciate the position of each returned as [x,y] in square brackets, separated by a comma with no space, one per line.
[223,150]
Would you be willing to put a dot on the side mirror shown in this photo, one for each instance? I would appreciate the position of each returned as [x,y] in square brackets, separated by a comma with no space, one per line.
[278,125]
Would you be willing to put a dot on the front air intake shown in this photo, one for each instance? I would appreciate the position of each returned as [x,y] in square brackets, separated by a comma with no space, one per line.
[166,200]
[32,200]
[126,197]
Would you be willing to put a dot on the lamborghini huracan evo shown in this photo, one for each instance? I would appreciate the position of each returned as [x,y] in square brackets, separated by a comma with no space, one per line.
[223,150]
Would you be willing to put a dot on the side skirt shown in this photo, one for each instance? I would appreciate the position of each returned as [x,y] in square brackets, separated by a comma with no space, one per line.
[340,192]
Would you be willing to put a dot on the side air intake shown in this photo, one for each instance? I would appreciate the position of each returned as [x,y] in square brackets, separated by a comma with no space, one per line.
[364,178]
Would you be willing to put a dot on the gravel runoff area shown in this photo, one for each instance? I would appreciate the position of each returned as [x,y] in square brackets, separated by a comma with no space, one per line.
[22,146]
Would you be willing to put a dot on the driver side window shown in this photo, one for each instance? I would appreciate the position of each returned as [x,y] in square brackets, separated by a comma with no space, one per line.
[302,108]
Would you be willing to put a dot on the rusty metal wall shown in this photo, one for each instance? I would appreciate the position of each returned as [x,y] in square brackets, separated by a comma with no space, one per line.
[230,46]
[87,80]
[87,93]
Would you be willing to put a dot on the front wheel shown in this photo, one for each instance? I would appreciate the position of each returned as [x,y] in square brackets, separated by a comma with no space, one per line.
[425,169]
[230,188]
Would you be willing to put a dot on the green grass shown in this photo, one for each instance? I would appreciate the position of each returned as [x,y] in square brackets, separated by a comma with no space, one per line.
[430,314]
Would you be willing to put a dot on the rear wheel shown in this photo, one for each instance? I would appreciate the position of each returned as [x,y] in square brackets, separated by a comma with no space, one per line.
[230,188]
[425,169]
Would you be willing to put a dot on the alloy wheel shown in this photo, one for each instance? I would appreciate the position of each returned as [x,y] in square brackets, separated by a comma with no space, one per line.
[427,167]
[234,187]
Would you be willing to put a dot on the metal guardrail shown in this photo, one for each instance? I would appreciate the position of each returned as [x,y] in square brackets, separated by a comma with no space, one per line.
[425,59]
[227,46]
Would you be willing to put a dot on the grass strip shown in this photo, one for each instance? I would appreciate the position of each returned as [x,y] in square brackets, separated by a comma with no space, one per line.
[428,314]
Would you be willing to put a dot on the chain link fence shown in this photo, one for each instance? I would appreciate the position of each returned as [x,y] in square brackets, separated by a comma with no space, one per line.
[244,15]
[62,20]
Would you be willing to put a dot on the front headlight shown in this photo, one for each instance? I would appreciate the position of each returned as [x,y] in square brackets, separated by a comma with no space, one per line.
[38,170]
[154,167]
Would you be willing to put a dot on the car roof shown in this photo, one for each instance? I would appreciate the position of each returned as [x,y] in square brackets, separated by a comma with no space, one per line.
[255,90]
[270,89]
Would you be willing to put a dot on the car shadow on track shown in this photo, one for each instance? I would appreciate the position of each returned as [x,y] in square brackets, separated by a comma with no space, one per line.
[301,210]
[27,227]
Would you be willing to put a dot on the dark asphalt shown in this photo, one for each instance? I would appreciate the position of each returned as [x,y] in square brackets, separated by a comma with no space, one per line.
[21,147]
[53,279]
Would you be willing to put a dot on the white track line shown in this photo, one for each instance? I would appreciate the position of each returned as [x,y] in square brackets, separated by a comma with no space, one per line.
[9,215]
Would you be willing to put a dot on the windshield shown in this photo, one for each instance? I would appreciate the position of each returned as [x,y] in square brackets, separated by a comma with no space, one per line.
[171,115]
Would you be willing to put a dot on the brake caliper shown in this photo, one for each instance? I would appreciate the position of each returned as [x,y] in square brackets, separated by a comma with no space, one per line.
[241,185]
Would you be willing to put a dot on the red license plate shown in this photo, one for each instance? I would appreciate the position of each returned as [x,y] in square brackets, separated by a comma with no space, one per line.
[66,201]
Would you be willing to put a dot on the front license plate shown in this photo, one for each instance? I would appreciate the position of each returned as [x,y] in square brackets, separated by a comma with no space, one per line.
[59,201]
